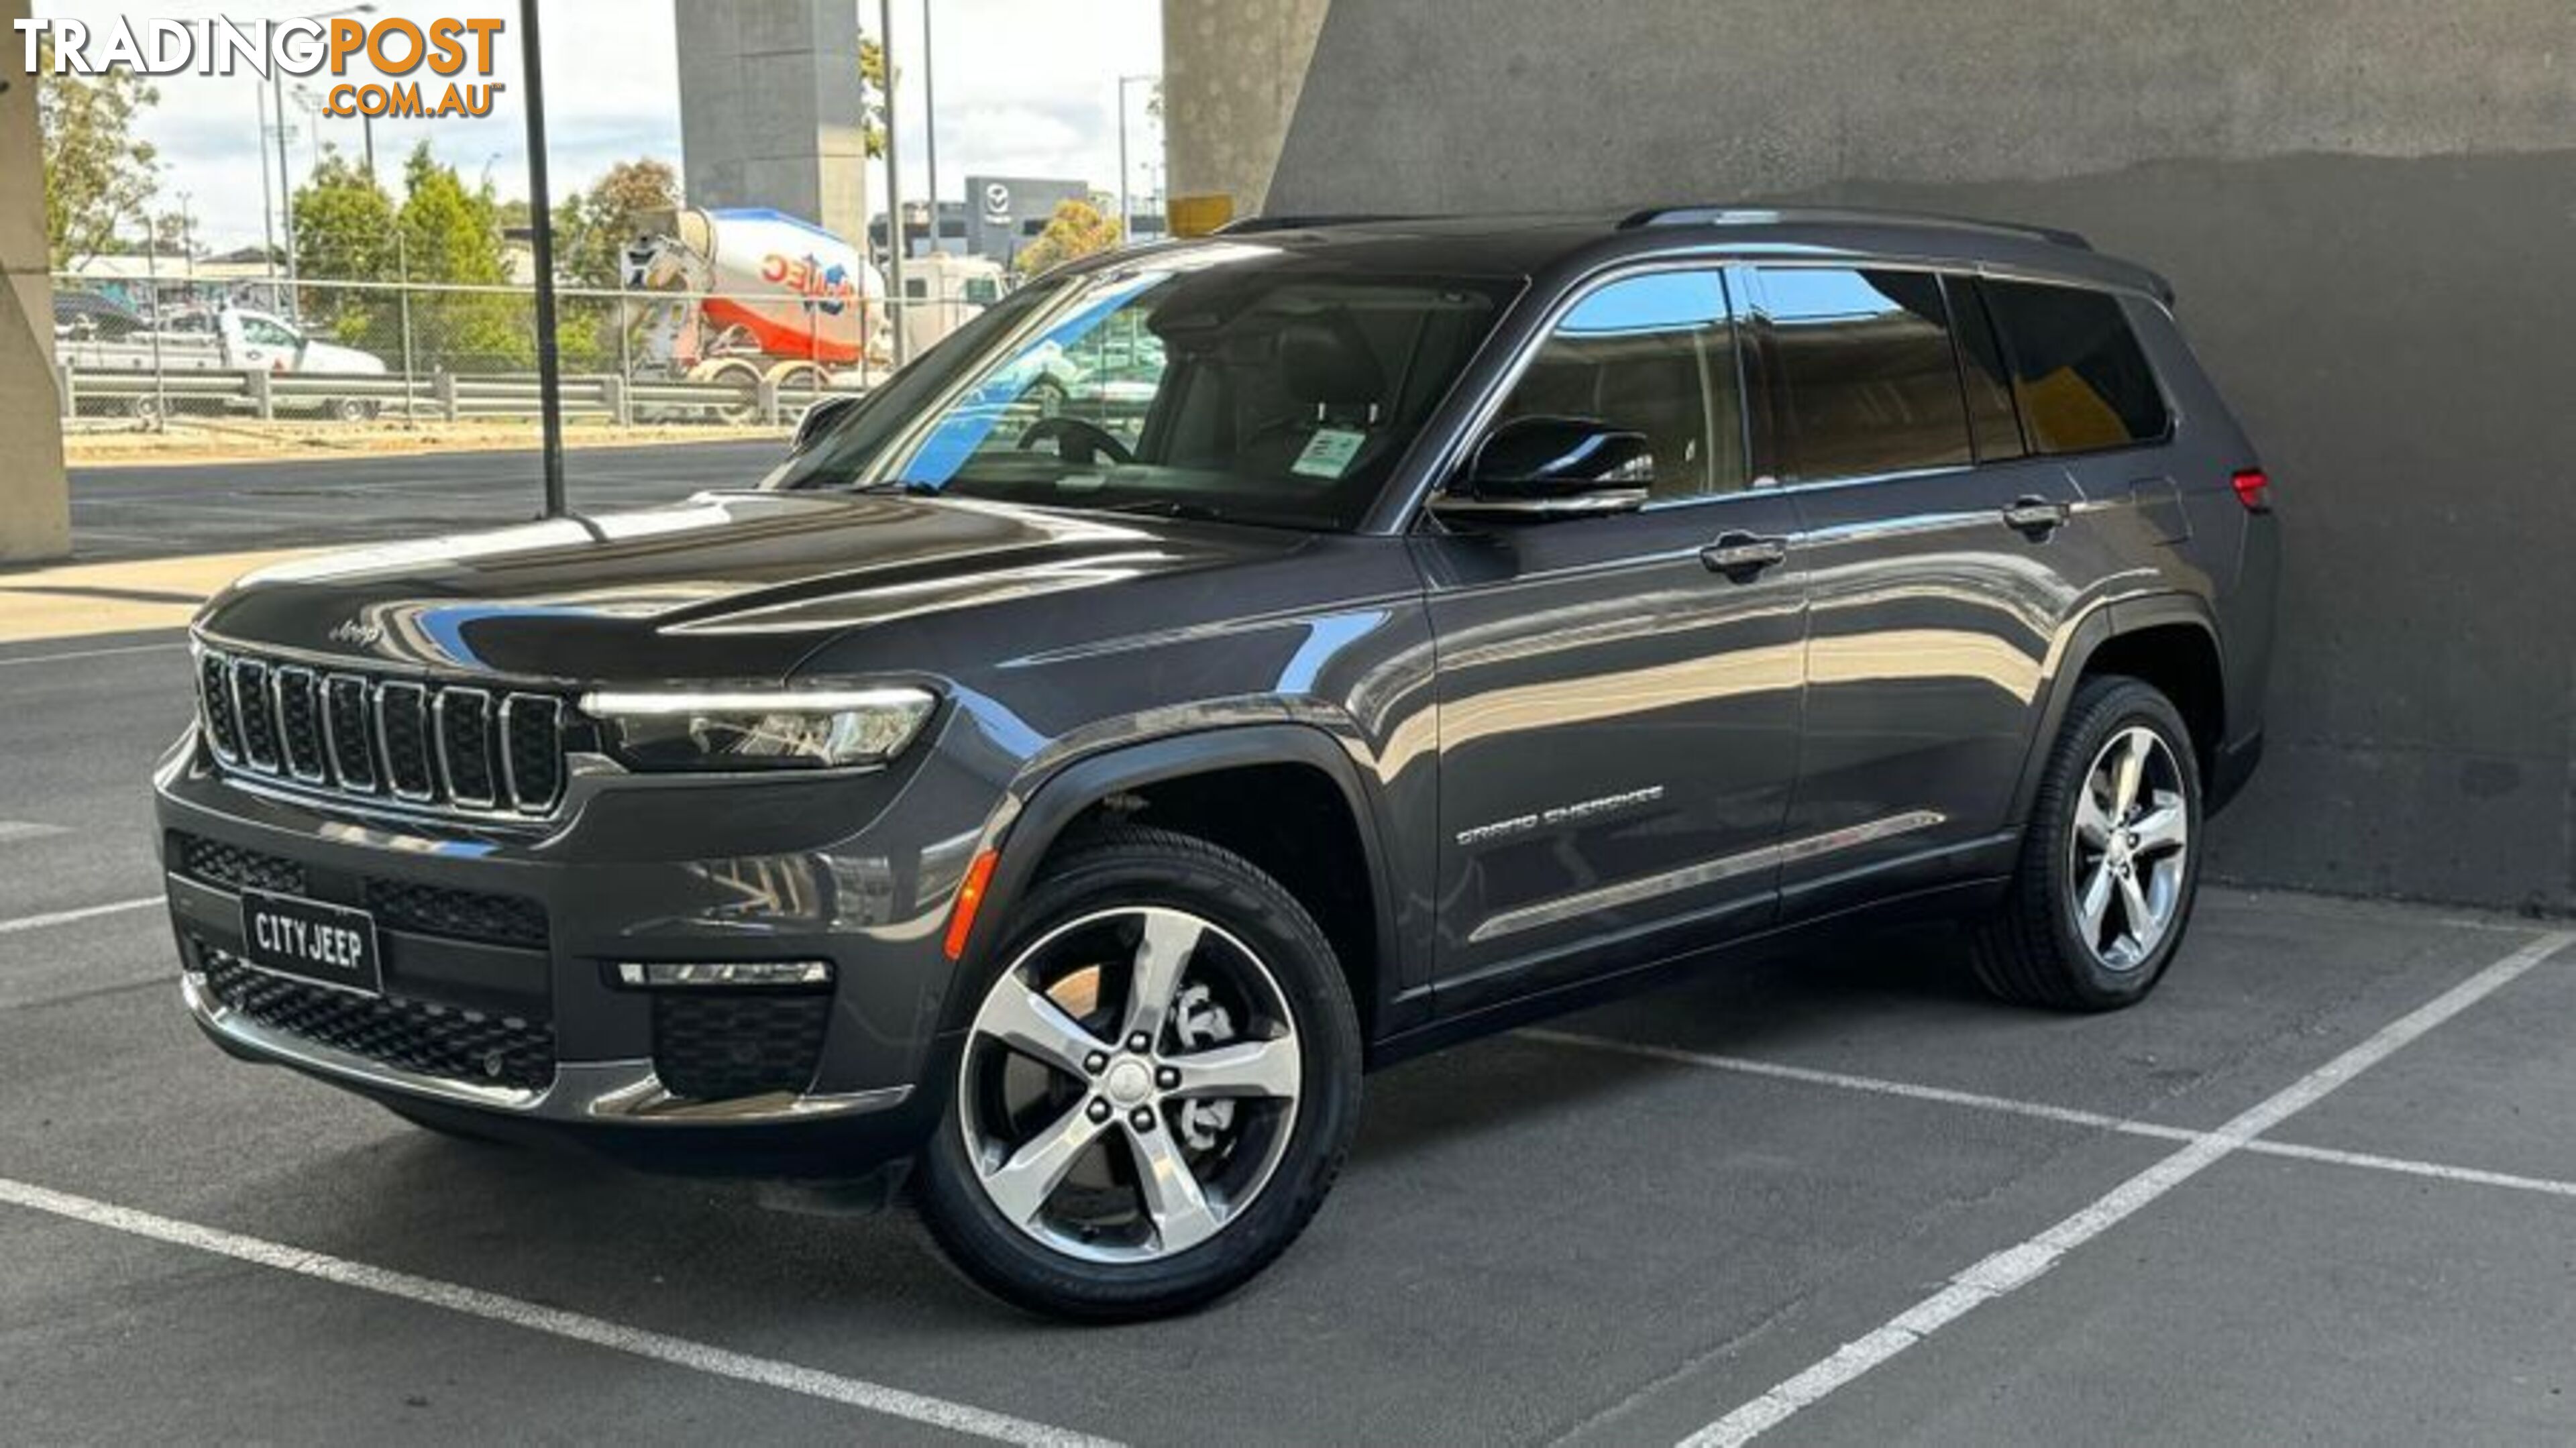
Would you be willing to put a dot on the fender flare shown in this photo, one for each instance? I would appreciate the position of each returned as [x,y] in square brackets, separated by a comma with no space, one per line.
[1061,796]
[2105,621]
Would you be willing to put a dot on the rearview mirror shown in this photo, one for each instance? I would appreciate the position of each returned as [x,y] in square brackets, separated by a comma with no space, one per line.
[1552,467]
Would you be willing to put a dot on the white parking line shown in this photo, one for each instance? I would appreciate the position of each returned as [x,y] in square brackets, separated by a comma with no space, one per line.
[86,912]
[87,654]
[11,830]
[552,1321]
[2019,1265]
[2040,1110]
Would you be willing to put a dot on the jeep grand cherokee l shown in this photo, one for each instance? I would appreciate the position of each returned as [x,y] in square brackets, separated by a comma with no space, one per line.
[1480,613]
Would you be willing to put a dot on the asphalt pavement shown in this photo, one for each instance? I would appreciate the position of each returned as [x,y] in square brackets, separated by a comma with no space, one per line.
[151,511]
[2320,1188]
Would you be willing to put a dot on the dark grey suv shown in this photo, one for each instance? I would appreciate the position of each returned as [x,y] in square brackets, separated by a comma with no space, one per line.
[1465,617]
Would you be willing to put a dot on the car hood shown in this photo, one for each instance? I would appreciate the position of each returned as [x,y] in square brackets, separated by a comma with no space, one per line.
[727,586]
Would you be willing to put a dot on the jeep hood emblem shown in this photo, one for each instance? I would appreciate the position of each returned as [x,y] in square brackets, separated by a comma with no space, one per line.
[358,632]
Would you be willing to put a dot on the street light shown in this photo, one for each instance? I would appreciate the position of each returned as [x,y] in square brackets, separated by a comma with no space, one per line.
[285,179]
[1125,213]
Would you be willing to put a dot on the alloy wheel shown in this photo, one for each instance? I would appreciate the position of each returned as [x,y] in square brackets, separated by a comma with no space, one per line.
[1129,1084]
[2129,848]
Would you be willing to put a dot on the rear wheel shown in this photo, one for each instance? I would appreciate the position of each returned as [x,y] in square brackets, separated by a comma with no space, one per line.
[2110,858]
[1158,1086]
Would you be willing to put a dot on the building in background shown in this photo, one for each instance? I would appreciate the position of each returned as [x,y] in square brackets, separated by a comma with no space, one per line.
[769,109]
[35,504]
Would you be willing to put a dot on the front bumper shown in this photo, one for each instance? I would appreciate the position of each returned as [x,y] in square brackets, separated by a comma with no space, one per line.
[500,945]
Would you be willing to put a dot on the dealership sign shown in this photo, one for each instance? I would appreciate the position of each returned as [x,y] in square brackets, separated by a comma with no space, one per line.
[395,48]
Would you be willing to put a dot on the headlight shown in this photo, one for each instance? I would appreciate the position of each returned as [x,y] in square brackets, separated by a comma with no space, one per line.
[759,729]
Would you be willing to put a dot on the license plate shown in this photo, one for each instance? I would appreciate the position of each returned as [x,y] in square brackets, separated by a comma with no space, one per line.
[312,941]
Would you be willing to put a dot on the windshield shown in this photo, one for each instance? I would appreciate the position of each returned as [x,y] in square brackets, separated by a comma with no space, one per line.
[1227,381]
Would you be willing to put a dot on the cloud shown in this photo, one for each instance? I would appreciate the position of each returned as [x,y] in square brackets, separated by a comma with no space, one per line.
[1025,88]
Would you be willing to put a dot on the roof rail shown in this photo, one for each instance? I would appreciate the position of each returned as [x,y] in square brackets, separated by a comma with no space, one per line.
[1248,224]
[1762,215]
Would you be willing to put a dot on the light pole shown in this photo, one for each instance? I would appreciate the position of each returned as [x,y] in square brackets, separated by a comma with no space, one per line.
[1125,212]
[285,178]
[930,125]
[897,244]
[188,241]
[267,205]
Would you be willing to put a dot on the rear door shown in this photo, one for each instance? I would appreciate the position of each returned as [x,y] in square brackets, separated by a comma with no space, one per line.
[1618,712]
[1942,558]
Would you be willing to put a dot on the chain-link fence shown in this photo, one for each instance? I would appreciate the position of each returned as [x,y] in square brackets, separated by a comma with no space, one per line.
[253,347]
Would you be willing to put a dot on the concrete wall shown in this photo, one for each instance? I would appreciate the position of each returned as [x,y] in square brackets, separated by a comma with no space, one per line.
[35,507]
[2369,208]
[1231,75]
[769,108]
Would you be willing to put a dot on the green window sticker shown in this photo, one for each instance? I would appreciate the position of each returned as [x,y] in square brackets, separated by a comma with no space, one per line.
[1328,453]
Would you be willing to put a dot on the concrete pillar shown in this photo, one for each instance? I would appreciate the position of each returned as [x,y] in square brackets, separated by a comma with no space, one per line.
[1232,73]
[769,109]
[35,502]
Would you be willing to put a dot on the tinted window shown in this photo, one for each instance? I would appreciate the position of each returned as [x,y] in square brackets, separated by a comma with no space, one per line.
[1224,381]
[2082,379]
[1653,354]
[1866,379]
[1991,421]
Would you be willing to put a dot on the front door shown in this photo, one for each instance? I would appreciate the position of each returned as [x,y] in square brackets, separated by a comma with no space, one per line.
[1619,697]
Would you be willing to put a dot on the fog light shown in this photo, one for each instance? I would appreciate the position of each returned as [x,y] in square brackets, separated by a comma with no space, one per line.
[659,974]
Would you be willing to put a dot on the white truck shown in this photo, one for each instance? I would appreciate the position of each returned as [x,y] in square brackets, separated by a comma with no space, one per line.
[754,296]
[220,339]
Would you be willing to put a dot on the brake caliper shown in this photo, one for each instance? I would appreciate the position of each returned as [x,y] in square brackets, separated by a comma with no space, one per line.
[1199,1022]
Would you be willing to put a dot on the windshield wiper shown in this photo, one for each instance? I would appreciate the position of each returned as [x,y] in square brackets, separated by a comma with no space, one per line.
[909,487]
[1169,508]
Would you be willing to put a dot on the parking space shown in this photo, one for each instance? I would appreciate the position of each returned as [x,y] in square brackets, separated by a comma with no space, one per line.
[1623,1228]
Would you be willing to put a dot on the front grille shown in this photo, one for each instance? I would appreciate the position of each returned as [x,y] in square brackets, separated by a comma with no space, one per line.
[449,747]
[717,1047]
[233,868]
[446,1042]
[460,914]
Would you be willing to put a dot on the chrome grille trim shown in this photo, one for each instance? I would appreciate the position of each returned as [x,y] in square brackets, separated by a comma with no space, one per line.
[507,735]
[417,696]
[365,741]
[369,769]
[242,715]
[296,677]
[489,795]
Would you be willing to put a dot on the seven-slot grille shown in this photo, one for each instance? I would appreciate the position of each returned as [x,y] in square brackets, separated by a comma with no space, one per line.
[443,746]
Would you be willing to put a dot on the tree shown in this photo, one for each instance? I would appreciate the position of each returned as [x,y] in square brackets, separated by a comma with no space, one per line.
[872,97]
[344,231]
[97,176]
[1077,229]
[593,228]
[453,235]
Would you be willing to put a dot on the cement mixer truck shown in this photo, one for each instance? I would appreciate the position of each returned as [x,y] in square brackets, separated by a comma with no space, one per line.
[756,296]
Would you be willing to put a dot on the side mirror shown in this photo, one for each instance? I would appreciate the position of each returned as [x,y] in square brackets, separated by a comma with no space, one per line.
[1551,467]
[820,418]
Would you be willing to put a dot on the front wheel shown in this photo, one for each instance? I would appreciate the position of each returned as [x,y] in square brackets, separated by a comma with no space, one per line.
[2110,858]
[1158,1086]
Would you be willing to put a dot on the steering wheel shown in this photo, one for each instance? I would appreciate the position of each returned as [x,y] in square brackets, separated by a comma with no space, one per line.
[1089,439]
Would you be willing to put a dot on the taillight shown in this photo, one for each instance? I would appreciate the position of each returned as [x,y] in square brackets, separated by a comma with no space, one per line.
[2253,489]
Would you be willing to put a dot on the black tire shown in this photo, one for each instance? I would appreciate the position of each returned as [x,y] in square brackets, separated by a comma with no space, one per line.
[353,409]
[2032,950]
[1129,867]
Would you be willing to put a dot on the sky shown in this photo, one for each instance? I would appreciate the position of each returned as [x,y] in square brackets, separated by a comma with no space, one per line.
[1025,88]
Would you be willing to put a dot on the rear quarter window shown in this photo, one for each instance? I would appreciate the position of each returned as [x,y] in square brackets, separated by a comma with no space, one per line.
[2083,381]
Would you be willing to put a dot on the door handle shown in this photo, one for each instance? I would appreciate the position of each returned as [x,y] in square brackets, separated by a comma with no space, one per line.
[1742,555]
[2035,516]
